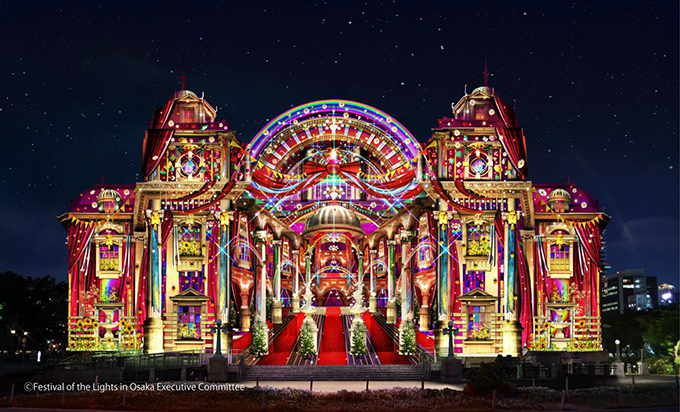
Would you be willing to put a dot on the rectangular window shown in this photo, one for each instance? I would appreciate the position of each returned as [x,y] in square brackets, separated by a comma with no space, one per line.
[190,240]
[478,240]
[108,258]
[477,326]
[189,323]
[559,258]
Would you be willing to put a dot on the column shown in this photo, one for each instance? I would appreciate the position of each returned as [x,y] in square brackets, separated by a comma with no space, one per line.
[296,281]
[373,298]
[244,313]
[443,287]
[153,325]
[512,329]
[360,277]
[406,275]
[260,238]
[276,284]
[224,288]
[425,319]
[391,281]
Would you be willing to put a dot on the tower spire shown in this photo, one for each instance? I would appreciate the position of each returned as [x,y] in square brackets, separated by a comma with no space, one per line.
[183,77]
[486,72]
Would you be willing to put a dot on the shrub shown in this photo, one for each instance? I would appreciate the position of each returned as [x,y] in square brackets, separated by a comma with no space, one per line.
[485,379]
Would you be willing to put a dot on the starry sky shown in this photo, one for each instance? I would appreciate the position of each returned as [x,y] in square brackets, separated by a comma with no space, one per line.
[595,87]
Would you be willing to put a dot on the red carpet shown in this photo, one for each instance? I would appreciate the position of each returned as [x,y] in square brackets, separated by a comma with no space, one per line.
[333,351]
[424,340]
[282,346]
[387,350]
[243,342]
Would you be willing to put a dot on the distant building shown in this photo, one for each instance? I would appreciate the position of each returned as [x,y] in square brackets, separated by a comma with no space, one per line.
[629,289]
[668,294]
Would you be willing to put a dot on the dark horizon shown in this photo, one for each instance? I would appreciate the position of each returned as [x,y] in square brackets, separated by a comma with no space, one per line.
[595,88]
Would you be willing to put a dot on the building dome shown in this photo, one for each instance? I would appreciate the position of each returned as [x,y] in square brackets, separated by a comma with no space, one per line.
[334,216]
[484,90]
[108,201]
[183,93]
[559,200]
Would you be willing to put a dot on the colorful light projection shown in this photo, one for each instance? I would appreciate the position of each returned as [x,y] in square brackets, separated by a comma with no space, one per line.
[341,108]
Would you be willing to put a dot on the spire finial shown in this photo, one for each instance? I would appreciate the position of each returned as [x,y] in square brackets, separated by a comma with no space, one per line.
[486,72]
[183,77]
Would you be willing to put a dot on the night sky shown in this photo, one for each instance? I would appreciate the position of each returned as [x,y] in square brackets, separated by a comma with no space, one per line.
[595,87]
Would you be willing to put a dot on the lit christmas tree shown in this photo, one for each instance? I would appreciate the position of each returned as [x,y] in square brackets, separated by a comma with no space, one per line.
[407,343]
[358,345]
[307,347]
[258,345]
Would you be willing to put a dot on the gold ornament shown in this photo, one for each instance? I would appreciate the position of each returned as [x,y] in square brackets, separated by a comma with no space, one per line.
[224,220]
[443,218]
[560,240]
[155,219]
[512,219]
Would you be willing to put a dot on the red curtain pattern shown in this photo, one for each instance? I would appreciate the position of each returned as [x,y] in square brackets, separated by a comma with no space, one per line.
[523,303]
[155,145]
[79,236]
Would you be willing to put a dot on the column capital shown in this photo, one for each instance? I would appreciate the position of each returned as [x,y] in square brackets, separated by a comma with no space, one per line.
[276,242]
[391,242]
[295,253]
[373,253]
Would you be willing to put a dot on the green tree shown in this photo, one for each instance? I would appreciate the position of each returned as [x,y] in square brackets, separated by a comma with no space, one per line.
[38,306]
[258,344]
[358,344]
[307,348]
[661,329]
[407,343]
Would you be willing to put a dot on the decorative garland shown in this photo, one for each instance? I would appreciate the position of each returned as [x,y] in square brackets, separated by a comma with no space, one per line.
[582,223]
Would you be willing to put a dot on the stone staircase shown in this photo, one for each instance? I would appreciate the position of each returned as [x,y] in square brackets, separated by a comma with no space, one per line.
[334,373]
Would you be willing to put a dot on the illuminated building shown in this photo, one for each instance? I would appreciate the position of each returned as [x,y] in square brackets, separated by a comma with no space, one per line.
[335,202]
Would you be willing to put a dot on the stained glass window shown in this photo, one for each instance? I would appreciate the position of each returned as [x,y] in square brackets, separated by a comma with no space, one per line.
[478,240]
[477,323]
[108,257]
[191,280]
[190,240]
[189,322]
[559,257]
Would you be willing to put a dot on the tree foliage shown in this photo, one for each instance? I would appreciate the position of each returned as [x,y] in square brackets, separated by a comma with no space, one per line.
[258,344]
[307,347]
[38,306]
[358,344]
[407,343]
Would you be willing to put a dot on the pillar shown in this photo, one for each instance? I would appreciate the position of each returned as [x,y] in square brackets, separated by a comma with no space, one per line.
[296,281]
[511,329]
[425,319]
[360,278]
[373,297]
[244,317]
[276,284]
[224,283]
[406,275]
[391,281]
[153,325]
[443,287]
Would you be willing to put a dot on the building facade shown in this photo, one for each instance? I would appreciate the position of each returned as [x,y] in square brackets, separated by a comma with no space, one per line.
[335,203]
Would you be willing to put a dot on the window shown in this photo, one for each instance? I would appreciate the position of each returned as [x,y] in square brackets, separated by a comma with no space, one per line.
[109,256]
[191,280]
[189,323]
[478,240]
[190,240]
[187,115]
[477,323]
[559,258]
